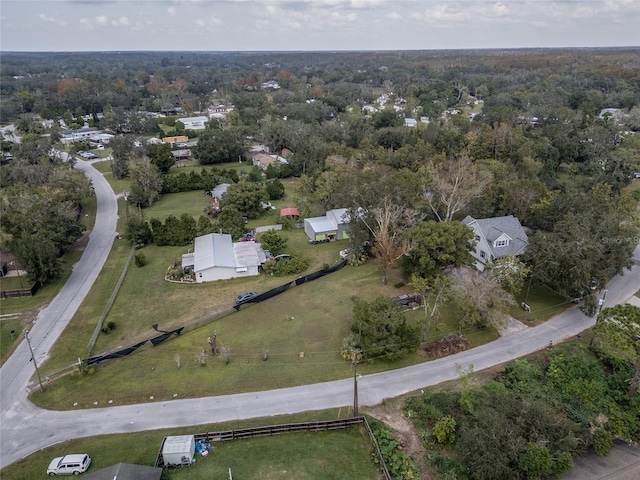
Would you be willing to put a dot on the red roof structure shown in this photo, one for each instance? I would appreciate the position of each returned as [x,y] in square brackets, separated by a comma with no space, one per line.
[289,211]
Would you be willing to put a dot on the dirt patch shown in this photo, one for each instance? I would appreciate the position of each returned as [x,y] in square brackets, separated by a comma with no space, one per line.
[80,244]
[447,345]
[391,414]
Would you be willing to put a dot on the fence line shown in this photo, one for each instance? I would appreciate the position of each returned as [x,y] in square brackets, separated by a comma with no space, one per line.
[20,292]
[270,430]
[107,307]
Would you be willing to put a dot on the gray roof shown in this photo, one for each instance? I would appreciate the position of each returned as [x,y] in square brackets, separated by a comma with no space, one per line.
[219,190]
[125,471]
[214,250]
[247,254]
[218,250]
[322,224]
[339,215]
[493,228]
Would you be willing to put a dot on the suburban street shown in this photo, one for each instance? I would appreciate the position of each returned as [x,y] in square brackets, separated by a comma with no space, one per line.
[26,428]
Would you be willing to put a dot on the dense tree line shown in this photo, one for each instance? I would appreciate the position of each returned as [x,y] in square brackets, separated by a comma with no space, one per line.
[535,146]
[535,417]
[41,207]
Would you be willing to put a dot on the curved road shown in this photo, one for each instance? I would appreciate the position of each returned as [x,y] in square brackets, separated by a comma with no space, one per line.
[26,428]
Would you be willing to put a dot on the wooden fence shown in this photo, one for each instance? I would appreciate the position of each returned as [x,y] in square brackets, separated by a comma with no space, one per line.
[269,430]
[20,292]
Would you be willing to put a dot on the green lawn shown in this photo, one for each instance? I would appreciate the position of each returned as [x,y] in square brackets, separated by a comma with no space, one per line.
[8,340]
[118,185]
[193,203]
[290,456]
[312,455]
[544,304]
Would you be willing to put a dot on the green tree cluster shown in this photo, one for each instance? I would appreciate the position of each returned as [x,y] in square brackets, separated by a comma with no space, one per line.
[174,231]
[382,329]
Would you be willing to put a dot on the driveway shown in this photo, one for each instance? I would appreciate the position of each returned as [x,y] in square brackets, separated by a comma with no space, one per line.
[21,419]
[622,463]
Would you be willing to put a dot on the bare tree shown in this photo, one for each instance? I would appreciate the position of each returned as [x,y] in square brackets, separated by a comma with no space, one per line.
[479,297]
[387,224]
[456,182]
[433,291]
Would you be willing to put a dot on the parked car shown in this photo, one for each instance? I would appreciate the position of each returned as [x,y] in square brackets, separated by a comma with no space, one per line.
[72,464]
[246,296]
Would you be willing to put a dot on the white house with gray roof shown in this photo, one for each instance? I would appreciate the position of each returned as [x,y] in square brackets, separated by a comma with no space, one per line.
[496,237]
[217,257]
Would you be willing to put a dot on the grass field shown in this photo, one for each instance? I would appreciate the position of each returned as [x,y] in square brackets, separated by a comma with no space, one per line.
[8,340]
[289,456]
[192,203]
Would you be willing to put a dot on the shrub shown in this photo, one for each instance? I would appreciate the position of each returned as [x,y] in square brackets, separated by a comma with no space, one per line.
[563,464]
[140,259]
[536,461]
[399,463]
[602,442]
[445,430]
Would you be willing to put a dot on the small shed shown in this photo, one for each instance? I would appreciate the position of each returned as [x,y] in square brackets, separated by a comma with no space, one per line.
[290,212]
[178,450]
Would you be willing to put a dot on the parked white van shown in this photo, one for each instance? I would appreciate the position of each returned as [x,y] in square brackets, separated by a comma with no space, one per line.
[72,464]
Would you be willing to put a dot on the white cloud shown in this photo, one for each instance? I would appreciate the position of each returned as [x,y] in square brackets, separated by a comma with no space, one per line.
[444,14]
[121,22]
[101,20]
[210,23]
[393,16]
[500,9]
[47,19]
[616,5]
[171,11]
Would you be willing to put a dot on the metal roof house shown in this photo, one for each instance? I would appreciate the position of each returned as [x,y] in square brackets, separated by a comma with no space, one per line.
[194,123]
[496,237]
[216,257]
[219,190]
[333,226]
[78,135]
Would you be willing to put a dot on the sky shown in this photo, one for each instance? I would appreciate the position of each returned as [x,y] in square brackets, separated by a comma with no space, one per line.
[301,25]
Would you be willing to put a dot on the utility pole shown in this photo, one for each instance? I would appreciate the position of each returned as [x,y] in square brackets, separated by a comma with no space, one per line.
[355,388]
[33,358]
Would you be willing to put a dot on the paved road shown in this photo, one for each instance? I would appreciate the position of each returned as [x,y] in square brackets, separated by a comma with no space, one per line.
[26,428]
[16,372]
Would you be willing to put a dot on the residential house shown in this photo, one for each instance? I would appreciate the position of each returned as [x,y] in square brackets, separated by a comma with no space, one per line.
[181,155]
[271,85]
[332,226]
[263,160]
[223,109]
[217,257]
[194,123]
[79,135]
[410,122]
[176,139]
[495,238]
[102,138]
[219,190]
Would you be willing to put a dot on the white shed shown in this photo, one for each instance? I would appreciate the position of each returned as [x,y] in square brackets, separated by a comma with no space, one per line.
[179,450]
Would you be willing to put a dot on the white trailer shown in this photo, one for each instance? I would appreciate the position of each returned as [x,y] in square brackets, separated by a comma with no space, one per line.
[179,450]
